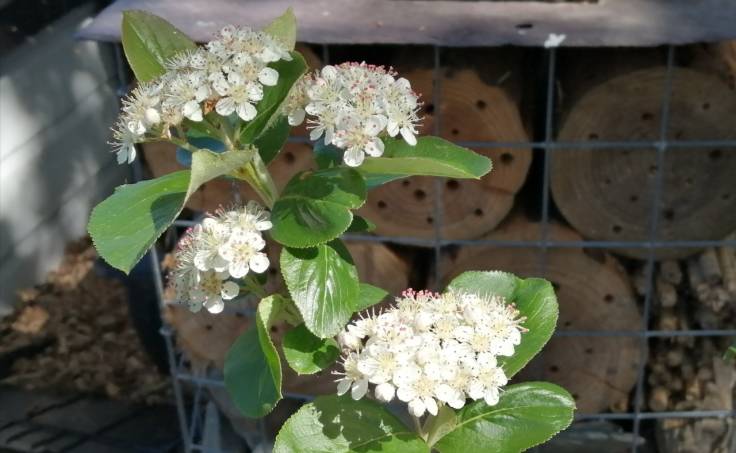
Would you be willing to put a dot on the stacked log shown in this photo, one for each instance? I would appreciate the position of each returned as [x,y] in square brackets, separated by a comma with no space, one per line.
[477,103]
[607,194]
[594,293]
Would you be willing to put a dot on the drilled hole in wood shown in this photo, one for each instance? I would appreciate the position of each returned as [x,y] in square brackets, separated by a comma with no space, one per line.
[455,132]
[556,286]
[608,298]
[289,156]
[715,154]
[239,315]
[726,196]
[430,220]
[452,184]
[507,158]
[679,135]
[588,350]
[575,396]
[274,329]
[208,327]
[554,369]
[381,204]
[273,271]
[481,104]
[607,181]
[617,229]
[634,198]
[706,105]
[593,136]
[689,181]
[568,323]
[478,212]
[405,183]
[669,214]
[646,116]
[524,26]
[419,194]
[653,170]
[429,109]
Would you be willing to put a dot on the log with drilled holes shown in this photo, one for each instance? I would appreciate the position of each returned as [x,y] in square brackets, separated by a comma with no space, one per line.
[607,194]
[594,293]
[476,104]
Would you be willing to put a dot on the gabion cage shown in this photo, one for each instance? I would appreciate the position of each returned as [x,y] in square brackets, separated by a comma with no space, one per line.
[544,145]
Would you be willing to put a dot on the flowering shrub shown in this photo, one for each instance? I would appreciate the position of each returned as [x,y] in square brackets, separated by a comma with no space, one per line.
[448,356]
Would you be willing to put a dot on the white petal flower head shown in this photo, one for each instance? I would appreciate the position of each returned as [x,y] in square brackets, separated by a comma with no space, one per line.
[431,350]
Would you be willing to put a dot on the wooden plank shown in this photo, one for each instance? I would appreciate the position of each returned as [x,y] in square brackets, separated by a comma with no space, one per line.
[449,23]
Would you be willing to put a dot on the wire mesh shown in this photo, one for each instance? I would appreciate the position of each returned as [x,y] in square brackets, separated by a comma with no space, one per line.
[191,423]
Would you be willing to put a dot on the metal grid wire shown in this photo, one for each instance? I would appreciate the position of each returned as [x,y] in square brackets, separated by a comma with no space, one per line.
[191,423]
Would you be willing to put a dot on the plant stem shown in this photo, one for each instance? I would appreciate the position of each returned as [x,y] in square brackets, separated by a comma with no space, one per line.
[418,427]
[255,287]
[258,176]
[183,144]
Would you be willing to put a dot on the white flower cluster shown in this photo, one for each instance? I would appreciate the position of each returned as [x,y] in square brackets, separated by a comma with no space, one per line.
[225,246]
[352,105]
[228,74]
[431,349]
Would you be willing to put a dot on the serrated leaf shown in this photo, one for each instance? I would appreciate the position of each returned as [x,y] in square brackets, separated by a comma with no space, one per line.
[332,424]
[369,296]
[431,156]
[323,283]
[306,353]
[126,224]
[272,140]
[149,41]
[527,414]
[534,297]
[252,365]
[268,107]
[315,207]
[283,29]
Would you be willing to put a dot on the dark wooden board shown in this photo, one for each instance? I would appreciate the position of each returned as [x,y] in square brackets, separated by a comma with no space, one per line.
[448,23]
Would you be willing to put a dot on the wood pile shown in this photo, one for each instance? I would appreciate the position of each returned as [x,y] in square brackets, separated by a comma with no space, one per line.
[688,373]
[72,334]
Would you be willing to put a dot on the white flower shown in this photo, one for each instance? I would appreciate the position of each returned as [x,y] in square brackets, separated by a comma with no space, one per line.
[185,93]
[431,350]
[124,141]
[354,105]
[225,246]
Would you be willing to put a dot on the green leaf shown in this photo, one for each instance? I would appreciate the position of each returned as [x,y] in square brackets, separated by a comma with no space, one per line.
[431,156]
[315,206]
[270,142]
[149,41]
[730,353]
[283,29]
[332,424]
[252,365]
[308,354]
[527,415]
[208,165]
[361,225]
[369,296]
[534,297]
[323,283]
[273,97]
[126,224]
[438,426]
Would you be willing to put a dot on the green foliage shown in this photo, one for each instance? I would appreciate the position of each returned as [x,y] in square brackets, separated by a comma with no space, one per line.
[283,28]
[534,297]
[126,224]
[332,424]
[528,414]
[432,156]
[307,353]
[361,225]
[149,41]
[369,296]
[316,207]
[323,283]
[252,365]
[273,97]
[272,140]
